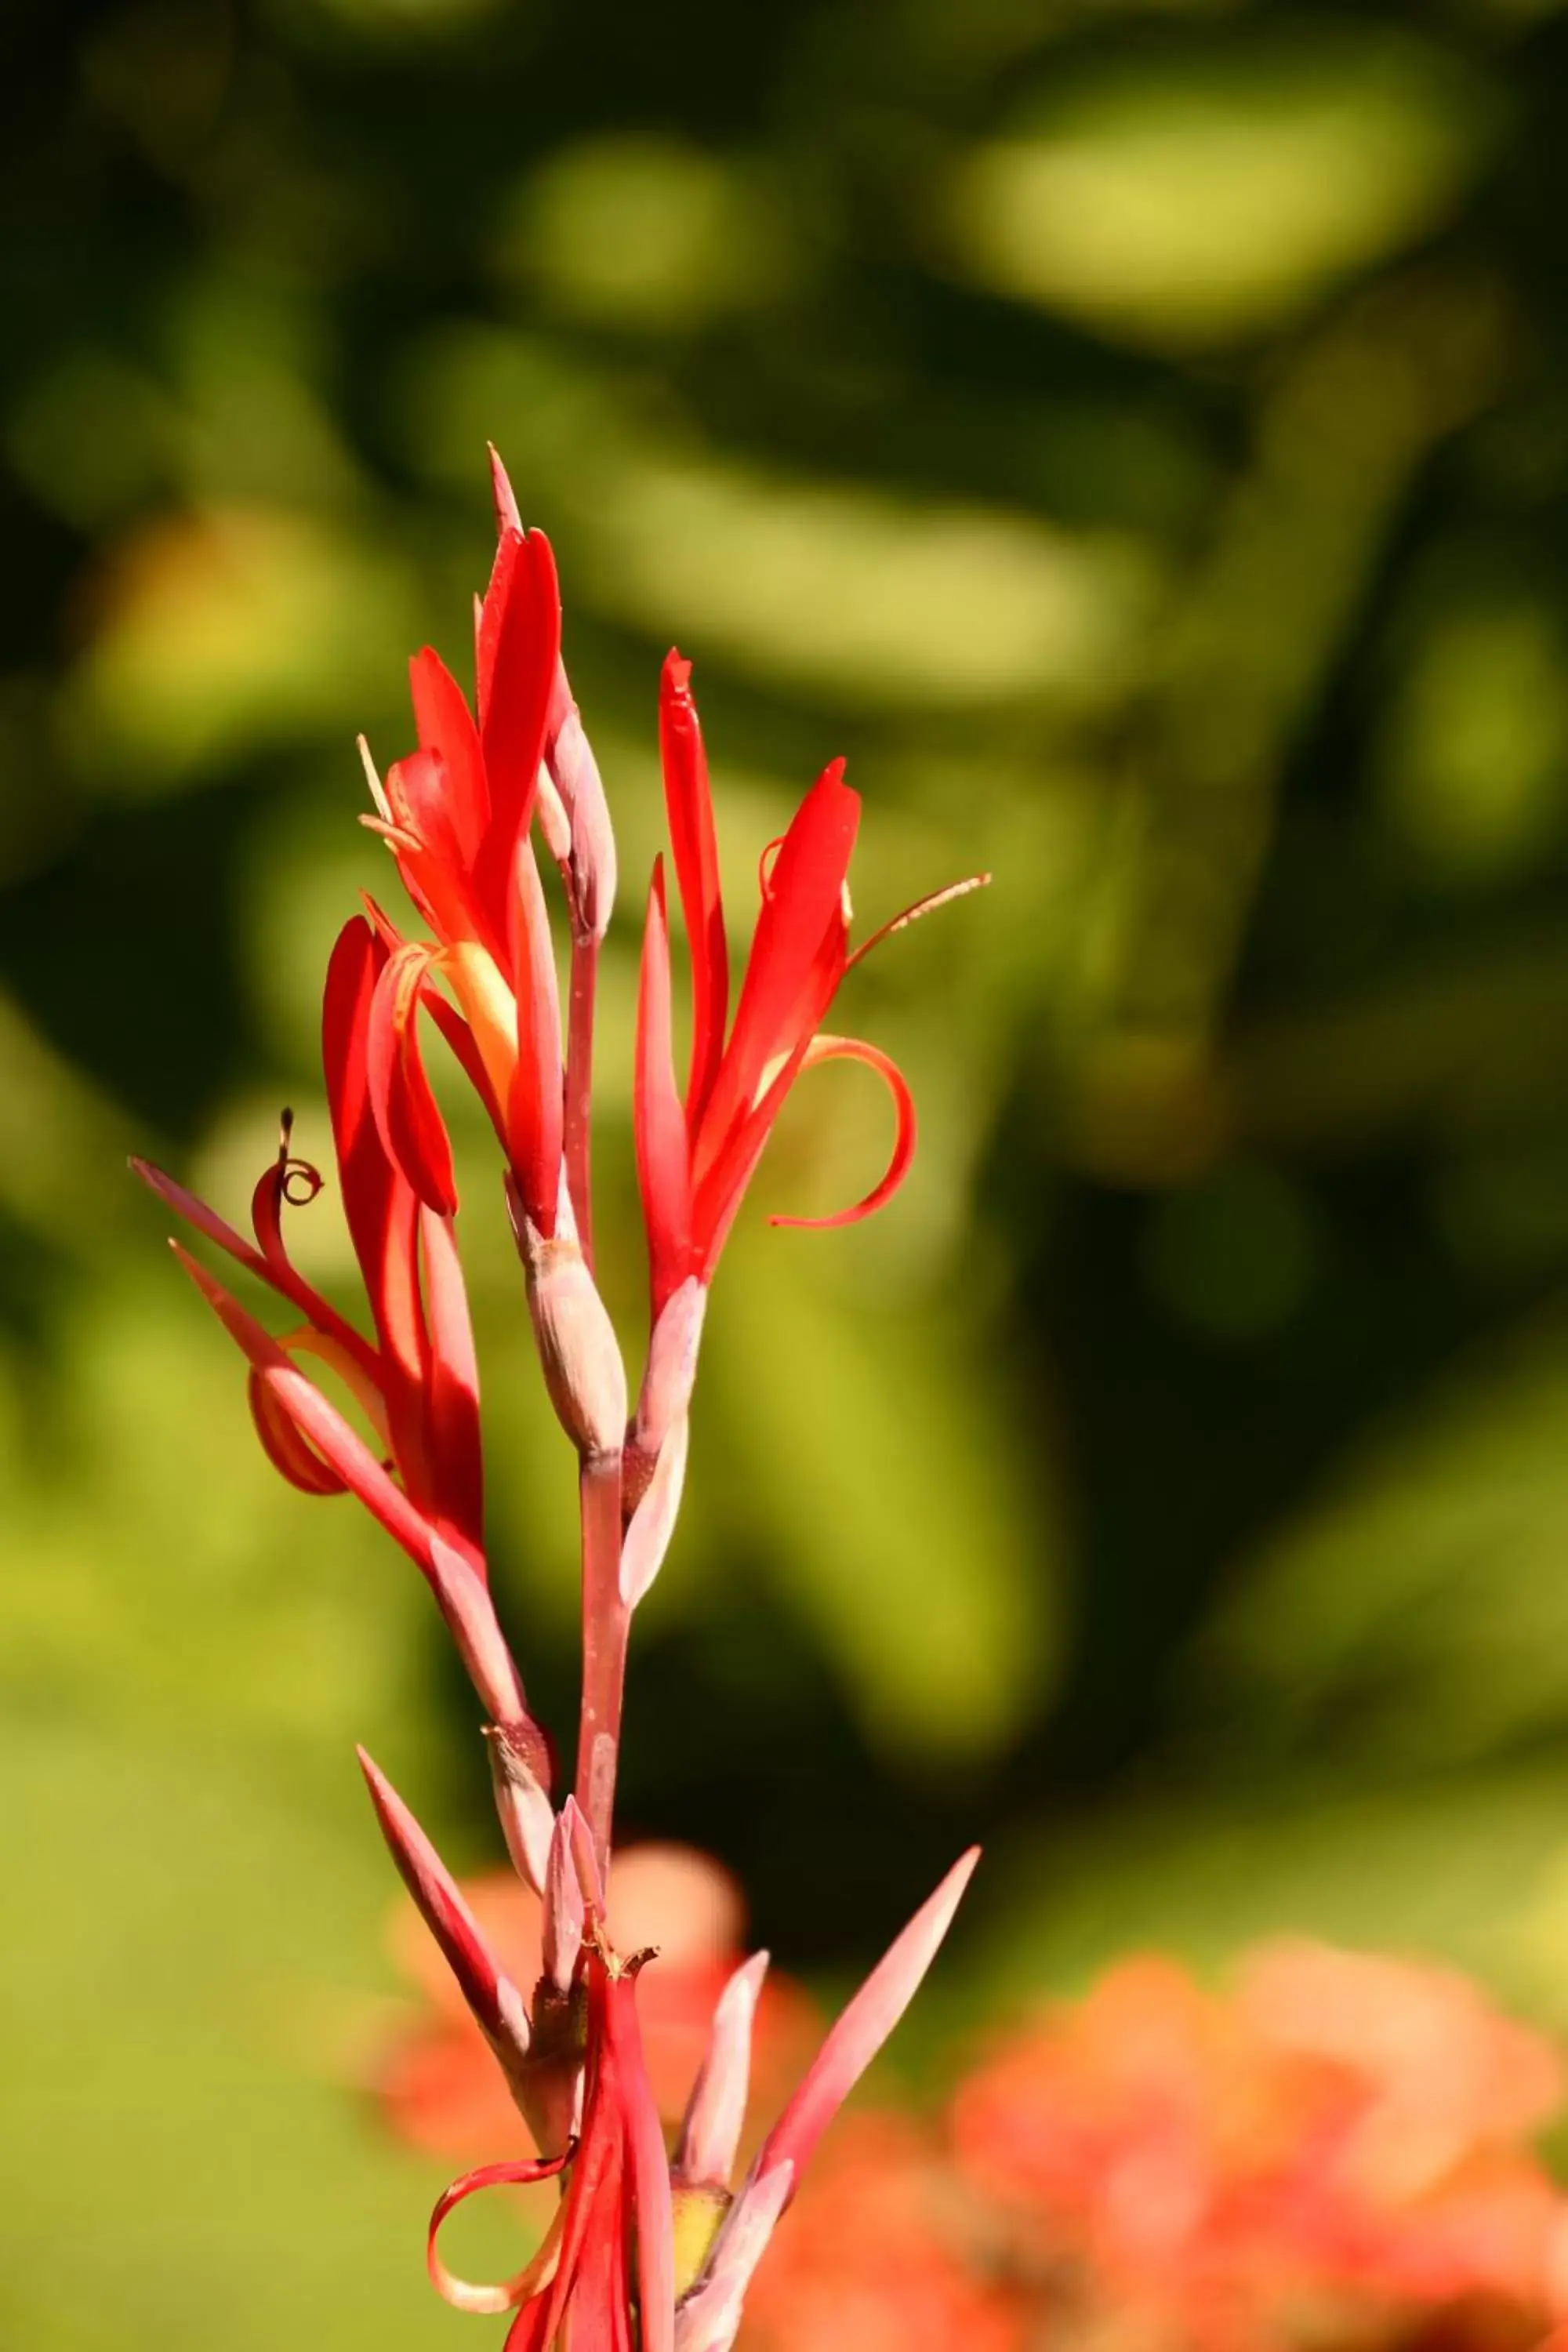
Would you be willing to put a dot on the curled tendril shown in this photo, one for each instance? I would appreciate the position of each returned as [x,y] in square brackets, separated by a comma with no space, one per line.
[301,1182]
[298,1181]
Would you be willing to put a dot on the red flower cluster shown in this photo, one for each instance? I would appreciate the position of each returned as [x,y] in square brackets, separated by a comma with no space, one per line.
[644,2251]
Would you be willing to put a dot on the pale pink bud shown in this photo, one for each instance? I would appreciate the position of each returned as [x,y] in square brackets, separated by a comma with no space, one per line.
[553,822]
[563,1908]
[671,1370]
[710,2134]
[521,1775]
[591,867]
[652,1523]
[577,1345]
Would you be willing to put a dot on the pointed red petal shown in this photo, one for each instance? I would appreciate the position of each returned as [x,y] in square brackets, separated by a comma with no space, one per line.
[664,1170]
[446,725]
[505,498]
[524,641]
[409,1122]
[855,1049]
[494,1999]
[688,805]
[863,2027]
[535,1108]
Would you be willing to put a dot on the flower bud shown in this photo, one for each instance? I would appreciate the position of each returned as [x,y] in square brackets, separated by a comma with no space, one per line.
[667,1382]
[652,1523]
[591,865]
[520,1774]
[577,1345]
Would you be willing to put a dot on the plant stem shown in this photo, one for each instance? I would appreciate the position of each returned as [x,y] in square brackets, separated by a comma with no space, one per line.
[579,1085]
[606,1623]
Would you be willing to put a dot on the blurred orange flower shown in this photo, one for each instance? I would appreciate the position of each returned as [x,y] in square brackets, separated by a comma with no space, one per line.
[874,2255]
[1336,2155]
[438,2080]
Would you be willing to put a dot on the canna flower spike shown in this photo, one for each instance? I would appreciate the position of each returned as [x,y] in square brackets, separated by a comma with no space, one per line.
[697,1150]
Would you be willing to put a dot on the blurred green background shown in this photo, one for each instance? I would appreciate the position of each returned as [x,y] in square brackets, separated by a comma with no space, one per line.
[1137,435]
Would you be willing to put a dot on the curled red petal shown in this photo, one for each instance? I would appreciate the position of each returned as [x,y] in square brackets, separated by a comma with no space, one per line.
[856,1049]
[688,805]
[320,1422]
[406,1115]
[663,1150]
[506,2296]
[283,1445]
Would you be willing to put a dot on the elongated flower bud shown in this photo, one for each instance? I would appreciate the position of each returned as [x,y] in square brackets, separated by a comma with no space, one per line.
[716,2111]
[591,866]
[577,1346]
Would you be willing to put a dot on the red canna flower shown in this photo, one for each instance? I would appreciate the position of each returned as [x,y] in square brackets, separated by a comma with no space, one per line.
[417,1381]
[696,1153]
[457,815]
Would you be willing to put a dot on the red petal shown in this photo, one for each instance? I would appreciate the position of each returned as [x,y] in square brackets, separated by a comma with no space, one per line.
[406,1117]
[505,496]
[688,805]
[855,1049]
[380,1207]
[453,1392]
[458,2293]
[275,1271]
[446,725]
[535,1109]
[283,1445]
[525,638]
[797,953]
[650,2169]
[863,2027]
[426,843]
[494,2000]
[663,1153]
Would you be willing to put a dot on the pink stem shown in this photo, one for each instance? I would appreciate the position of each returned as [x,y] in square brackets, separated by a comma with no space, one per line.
[606,1621]
[580,1086]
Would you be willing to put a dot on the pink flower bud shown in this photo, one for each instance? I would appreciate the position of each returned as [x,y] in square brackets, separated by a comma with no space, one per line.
[577,1345]
[717,2109]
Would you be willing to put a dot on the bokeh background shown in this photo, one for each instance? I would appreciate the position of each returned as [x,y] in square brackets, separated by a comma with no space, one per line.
[1136,436]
